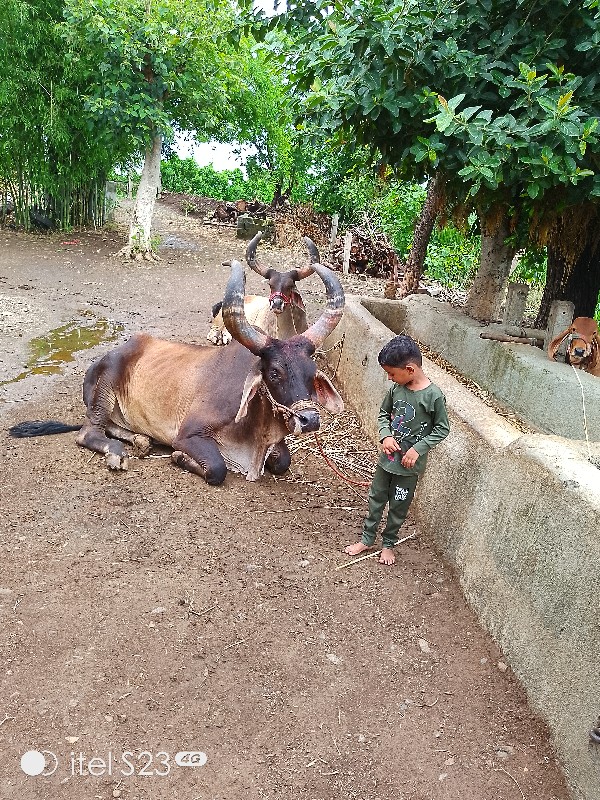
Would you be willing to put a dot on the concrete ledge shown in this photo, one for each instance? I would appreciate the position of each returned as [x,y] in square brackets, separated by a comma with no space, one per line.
[519,518]
[546,394]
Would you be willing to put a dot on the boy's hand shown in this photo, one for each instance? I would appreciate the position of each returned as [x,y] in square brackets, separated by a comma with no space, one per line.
[390,446]
[410,458]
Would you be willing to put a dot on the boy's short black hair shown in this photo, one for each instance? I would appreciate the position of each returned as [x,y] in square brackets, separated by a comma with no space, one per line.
[399,352]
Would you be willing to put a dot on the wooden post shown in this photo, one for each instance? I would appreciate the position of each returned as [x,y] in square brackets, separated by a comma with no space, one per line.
[129,186]
[335,219]
[559,319]
[516,300]
[347,246]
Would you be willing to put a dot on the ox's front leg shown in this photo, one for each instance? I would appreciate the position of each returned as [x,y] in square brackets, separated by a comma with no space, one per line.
[201,456]
[279,459]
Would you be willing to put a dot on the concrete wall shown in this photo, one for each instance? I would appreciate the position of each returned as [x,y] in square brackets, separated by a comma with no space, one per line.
[544,393]
[519,518]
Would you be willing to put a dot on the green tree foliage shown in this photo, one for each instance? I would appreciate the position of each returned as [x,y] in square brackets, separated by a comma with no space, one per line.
[49,157]
[452,256]
[152,66]
[149,67]
[499,97]
[184,175]
[471,89]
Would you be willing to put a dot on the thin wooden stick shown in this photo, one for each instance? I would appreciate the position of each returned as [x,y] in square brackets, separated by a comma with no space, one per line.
[376,553]
[506,772]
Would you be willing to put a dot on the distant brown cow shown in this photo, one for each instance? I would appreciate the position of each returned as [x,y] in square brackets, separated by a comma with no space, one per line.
[583,345]
[282,314]
[217,408]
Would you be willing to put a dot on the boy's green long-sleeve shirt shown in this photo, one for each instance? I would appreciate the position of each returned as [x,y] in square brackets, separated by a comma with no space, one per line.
[415,419]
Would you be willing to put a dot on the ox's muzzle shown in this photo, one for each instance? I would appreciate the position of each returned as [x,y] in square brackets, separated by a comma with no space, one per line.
[305,418]
[278,302]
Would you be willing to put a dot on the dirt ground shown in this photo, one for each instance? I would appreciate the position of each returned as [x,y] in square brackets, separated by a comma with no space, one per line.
[145,614]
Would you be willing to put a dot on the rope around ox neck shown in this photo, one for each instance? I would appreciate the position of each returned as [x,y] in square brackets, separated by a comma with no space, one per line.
[286,412]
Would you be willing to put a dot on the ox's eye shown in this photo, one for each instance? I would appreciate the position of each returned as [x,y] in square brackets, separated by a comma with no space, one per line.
[274,375]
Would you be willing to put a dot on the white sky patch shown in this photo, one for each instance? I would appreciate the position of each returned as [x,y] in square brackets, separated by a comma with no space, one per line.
[222,156]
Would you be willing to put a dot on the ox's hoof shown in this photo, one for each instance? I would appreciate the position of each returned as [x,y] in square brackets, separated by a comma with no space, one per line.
[218,336]
[142,445]
[213,336]
[114,461]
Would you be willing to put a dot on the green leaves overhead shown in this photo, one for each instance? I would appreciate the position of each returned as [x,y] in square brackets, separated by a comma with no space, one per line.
[149,66]
[501,97]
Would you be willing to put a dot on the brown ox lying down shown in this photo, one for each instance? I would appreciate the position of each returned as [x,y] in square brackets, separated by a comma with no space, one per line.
[282,314]
[583,345]
[218,408]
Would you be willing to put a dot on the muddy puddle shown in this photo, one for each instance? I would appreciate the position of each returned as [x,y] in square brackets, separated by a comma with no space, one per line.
[49,353]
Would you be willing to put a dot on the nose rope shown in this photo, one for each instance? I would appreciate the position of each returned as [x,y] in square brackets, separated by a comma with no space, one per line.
[285,411]
[295,299]
[286,300]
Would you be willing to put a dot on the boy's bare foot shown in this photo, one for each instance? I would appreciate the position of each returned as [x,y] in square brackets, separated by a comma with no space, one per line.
[387,557]
[356,549]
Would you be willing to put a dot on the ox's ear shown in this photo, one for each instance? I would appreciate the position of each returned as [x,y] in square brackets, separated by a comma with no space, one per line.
[556,343]
[327,394]
[253,381]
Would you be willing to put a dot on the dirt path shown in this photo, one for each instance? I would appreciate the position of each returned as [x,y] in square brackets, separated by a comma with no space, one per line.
[148,612]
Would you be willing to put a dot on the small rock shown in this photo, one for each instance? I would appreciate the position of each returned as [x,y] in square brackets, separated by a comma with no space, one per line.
[333,658]
[71,739]
[504,750]
[424,645]
[502,666]
[158,610]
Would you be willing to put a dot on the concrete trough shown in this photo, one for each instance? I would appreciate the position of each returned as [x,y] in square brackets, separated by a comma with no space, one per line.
[548,395]
[517,515]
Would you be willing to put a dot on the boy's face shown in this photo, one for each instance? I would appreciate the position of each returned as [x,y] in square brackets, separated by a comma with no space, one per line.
[401,375]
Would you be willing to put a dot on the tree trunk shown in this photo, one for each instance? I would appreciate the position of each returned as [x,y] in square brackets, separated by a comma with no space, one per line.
[555,273]
[576,280]
[583,284]
[139,245]
[487,292]
[421,236]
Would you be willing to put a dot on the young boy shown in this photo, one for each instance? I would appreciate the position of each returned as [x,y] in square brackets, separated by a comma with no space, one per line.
[412,419]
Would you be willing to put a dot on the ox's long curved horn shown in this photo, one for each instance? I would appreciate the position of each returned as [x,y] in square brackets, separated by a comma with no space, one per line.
[315,258]
[234,316]
[320,330]
[251,256]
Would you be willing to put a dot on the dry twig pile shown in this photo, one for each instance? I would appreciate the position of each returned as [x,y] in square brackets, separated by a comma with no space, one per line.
[370,253]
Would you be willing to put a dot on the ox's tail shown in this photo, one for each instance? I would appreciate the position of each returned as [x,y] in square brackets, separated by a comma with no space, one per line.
[40,428]
[216,308]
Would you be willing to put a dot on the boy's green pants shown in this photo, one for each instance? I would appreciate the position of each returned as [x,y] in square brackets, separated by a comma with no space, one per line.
[395,491]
